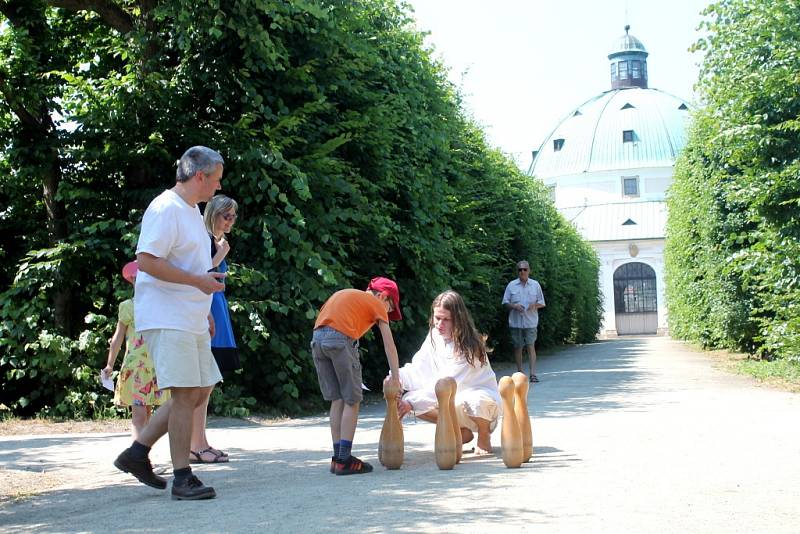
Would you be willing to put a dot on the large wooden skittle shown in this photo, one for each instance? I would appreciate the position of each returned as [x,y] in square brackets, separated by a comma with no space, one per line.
[510,437]
[445,444]
[454,418]
[391,444]
[521,411]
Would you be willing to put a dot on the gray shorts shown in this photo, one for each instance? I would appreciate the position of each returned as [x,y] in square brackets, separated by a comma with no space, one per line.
[338,365]
[523,336]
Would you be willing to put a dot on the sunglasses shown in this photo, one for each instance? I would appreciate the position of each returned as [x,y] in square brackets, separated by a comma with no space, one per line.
[522,269]
[229,216]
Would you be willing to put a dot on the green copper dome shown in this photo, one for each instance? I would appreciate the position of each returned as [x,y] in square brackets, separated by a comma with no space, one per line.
[619,129]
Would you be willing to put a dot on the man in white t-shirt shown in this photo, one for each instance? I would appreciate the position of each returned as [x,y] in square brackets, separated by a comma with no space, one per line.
[172,302]
[524,298]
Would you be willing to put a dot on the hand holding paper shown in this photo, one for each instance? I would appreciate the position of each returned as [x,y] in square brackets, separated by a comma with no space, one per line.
[106,381]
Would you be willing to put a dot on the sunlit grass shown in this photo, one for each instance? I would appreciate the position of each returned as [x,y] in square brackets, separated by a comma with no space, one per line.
[779,371]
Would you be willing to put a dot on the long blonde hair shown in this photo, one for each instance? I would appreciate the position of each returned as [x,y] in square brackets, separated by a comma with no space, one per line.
[468,342]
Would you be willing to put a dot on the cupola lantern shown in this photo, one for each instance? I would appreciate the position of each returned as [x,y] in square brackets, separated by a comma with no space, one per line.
[628,62]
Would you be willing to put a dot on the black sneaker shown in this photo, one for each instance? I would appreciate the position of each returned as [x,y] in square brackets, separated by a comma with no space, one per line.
[352,466]
[534,378]
[141,469]
[191,489]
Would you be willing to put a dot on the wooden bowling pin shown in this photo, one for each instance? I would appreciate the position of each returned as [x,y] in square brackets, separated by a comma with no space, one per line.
[454,418]
[521,411]
[391,444]
[445,443]
[510,436]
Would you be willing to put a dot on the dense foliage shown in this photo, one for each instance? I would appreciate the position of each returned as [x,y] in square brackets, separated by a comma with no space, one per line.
[732,255]
[345,147]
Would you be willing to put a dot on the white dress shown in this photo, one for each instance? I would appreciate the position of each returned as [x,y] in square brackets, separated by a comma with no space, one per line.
[476,396]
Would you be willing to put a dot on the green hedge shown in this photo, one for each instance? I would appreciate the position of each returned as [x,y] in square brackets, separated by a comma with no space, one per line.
[345,147]
[733,277]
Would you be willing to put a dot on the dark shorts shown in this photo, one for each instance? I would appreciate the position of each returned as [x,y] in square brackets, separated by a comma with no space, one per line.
[523,336]
[338,365]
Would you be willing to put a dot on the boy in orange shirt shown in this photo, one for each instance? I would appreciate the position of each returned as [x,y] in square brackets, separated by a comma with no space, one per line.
[344,318]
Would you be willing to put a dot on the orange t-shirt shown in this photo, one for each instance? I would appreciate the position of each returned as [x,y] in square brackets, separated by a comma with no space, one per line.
[352,312]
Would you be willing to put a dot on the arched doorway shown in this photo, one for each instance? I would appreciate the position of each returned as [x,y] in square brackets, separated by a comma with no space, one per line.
[635,299]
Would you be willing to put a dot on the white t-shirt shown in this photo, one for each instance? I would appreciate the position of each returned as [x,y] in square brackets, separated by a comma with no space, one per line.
[173,230]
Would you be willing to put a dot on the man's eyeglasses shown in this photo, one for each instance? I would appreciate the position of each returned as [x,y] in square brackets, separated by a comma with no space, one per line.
[229,216]
[522,269]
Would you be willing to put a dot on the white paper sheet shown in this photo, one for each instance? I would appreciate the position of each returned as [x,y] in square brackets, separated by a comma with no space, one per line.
[107,381]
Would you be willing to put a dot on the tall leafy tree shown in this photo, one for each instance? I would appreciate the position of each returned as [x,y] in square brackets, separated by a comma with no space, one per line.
[345,147]
[732,253]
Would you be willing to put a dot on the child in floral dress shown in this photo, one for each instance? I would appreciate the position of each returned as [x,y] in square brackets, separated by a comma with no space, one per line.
[136,384]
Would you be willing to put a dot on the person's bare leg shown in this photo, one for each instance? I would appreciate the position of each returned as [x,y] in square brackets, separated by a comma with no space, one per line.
[200,443]
[336,419]
[484,445]
[532,358]
[148,413]
[140,415]
[207,443]
[347,429]
[518,358]
[184,402]
[157,425]
[431,416]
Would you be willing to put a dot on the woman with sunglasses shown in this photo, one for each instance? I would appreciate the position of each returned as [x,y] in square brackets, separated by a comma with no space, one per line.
[219,217]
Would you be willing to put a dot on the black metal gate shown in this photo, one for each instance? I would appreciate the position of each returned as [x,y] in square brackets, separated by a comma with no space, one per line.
[635,299]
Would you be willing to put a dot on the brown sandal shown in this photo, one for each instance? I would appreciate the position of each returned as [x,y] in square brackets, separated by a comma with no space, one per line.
[198,457]
[218,452]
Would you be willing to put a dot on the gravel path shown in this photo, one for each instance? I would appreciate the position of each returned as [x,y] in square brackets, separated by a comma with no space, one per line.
[630,435]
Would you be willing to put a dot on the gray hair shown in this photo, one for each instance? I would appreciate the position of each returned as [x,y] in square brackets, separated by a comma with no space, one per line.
[197,159]
[523,263]
[217,205]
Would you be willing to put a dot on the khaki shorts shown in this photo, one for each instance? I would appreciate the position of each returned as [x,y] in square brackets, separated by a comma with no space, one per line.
[182,359]
[521,337]
[338,365]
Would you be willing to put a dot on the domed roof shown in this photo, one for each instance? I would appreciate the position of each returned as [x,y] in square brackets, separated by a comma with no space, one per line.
[626,44]
[619,129]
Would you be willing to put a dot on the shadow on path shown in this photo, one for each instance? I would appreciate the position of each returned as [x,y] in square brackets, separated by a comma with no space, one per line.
[587,379]
[288,490]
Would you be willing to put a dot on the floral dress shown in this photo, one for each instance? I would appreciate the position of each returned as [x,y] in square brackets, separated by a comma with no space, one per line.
[136,384]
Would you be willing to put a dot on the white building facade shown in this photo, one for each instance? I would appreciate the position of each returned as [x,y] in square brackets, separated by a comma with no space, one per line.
[608,166]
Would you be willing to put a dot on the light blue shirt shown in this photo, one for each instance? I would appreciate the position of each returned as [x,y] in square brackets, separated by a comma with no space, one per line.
[524,294]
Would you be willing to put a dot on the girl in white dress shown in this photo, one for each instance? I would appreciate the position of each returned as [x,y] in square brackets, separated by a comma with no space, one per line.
[454,348]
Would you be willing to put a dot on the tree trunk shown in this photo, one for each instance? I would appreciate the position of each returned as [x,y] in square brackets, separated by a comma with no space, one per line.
[38,139]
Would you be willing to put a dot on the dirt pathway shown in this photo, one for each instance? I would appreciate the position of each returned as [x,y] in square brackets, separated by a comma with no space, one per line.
[630,435]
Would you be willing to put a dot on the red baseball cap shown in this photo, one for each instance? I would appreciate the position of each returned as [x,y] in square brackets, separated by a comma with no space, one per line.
[385,285]
[129,271]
